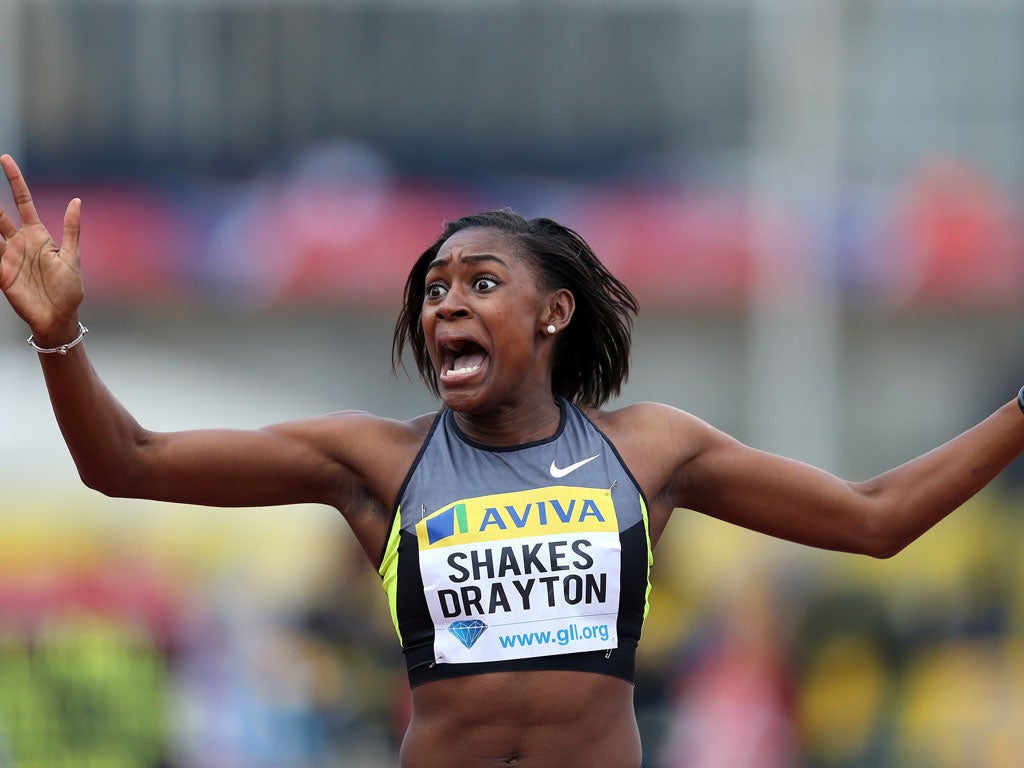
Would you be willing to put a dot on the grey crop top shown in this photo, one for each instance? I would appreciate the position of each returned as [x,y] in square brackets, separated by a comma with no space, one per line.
[534,556]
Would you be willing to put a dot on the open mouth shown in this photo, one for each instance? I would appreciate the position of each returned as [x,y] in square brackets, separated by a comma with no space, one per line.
[461,358]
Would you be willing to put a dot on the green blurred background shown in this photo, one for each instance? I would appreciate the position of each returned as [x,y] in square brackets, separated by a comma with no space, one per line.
[818,203]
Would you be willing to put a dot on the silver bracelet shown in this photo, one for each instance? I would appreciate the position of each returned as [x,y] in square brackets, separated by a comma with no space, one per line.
[63,348]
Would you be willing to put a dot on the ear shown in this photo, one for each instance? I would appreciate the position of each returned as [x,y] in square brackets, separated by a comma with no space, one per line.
[561,305]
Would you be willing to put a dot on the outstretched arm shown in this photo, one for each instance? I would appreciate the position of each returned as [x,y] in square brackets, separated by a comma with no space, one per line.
[313,460]
[722,477]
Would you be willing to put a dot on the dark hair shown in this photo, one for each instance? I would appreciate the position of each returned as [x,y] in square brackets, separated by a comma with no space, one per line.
[592,357]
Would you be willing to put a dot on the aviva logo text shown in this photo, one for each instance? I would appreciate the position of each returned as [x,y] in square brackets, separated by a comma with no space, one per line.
[537,512]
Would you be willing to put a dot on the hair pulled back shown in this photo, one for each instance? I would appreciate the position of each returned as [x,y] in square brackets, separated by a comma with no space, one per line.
[591,360]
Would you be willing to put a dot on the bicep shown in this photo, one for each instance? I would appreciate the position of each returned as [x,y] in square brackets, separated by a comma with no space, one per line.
[281,464]
[782,497]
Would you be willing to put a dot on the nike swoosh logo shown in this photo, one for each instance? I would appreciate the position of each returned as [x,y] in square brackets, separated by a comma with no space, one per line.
[557,471]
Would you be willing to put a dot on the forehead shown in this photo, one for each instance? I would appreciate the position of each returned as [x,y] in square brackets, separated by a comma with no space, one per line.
[476,242]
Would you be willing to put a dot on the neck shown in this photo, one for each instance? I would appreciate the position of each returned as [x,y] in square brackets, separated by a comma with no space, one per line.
[511,425]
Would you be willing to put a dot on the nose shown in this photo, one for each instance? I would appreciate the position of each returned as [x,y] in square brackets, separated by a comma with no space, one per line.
[453,305]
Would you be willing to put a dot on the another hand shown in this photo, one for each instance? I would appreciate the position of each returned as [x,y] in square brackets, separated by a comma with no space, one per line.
[41,280]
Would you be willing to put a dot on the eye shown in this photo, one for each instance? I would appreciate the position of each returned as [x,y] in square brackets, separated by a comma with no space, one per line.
[484,283]
[436,291]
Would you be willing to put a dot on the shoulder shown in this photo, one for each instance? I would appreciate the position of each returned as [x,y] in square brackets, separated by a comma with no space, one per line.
[361,440]
[362,422]
[656,441]
[646,420]
[377,450]
[398,433]
[415,428]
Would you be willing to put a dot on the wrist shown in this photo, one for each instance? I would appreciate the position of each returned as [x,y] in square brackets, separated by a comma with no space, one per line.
[59,330]
[58,337]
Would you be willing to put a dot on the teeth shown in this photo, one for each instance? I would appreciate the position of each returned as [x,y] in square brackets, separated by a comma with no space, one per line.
[467,369]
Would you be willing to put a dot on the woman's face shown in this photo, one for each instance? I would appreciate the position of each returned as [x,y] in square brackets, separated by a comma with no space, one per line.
[483,317]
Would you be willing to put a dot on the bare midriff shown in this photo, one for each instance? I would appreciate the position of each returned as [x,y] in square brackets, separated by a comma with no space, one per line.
[525,719]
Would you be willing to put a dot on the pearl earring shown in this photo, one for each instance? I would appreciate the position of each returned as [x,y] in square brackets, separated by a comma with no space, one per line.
[551,329]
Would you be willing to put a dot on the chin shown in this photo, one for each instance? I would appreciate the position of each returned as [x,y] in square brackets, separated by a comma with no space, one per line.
[458,401]
[471,402]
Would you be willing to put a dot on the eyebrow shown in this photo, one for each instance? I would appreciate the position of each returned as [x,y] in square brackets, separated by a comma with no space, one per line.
[475,258]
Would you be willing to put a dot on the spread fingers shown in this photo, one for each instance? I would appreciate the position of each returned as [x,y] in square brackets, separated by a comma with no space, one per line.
[19,188]
[7,228]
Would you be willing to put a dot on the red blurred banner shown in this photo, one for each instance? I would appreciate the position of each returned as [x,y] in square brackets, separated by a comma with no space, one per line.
[949,237]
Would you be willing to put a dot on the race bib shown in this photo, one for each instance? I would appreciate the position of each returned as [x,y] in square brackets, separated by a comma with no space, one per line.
[529,573]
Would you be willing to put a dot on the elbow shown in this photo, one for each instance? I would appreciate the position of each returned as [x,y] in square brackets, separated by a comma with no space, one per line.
[122,480]
[884,538]
[110,484]
[880,534]
[877,544]
[116,478]
[118,472]
[885,548]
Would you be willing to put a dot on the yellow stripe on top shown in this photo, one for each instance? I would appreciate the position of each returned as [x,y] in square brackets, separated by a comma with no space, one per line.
[650,553]
[550,510]
[389,568]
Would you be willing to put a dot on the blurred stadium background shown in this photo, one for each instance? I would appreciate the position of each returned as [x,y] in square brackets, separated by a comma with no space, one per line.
[818,203]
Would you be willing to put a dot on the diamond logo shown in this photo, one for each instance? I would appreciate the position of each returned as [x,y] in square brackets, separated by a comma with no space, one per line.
[467,631]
